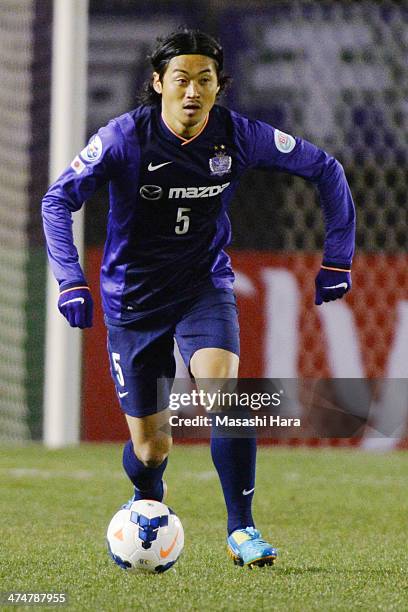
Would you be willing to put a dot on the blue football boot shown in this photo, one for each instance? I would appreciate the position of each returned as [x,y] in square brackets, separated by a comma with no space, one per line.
[137,496]
[246,547]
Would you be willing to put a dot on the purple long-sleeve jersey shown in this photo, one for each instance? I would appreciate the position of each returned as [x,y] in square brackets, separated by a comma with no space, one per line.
[168,223]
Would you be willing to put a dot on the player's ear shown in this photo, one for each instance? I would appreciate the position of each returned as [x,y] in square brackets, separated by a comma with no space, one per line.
[157,86]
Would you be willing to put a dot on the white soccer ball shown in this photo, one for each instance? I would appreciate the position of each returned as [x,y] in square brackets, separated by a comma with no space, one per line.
[147,536]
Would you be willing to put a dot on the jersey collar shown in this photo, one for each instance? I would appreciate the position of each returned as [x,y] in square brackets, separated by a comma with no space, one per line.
[179,139]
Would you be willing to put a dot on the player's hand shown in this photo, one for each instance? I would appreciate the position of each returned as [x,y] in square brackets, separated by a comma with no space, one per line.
[331,285]
[76,305]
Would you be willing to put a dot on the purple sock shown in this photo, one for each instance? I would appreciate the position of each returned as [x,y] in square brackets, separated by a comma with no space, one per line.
[147,481]
[235,460]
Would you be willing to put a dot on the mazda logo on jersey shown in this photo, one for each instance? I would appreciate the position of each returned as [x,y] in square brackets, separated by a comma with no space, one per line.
[151,192]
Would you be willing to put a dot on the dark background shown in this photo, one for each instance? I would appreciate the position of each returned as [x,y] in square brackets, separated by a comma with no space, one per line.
[331,72]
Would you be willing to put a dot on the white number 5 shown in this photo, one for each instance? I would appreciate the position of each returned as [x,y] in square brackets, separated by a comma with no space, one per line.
[184,219]
[118,369]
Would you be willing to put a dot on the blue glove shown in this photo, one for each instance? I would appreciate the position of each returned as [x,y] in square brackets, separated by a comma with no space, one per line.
[76,305]
[331,284]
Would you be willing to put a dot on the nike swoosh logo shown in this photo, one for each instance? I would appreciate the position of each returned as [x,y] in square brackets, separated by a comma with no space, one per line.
[152,168]
[245,492]
[165,553]
[337,286]
[81,300]
[123,394]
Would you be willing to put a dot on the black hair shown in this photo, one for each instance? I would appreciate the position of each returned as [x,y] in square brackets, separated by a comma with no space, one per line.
[182,42]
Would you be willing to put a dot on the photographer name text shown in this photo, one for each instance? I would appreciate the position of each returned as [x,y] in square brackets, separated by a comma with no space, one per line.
[227,421]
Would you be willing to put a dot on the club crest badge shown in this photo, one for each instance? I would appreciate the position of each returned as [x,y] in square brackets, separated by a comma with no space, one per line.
[221,163]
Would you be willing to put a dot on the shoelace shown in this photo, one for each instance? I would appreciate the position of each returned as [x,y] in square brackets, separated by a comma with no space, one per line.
[255,535]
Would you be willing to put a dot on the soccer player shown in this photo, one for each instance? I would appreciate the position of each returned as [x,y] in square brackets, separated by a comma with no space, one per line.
[173,165]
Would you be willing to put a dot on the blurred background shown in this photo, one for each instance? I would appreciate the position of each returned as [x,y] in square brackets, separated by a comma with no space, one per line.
[332,72]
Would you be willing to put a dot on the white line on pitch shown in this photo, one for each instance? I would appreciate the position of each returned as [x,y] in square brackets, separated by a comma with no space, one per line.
[75,475]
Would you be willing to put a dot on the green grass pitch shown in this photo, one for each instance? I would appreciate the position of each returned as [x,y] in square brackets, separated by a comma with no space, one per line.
[337,517]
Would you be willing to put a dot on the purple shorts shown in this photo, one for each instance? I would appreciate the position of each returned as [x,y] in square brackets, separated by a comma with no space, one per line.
[142,351]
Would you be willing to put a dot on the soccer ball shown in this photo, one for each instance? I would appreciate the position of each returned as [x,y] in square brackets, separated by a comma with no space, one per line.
[147,536]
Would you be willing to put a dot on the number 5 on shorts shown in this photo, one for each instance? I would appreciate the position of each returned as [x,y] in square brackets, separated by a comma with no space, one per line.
[118,369]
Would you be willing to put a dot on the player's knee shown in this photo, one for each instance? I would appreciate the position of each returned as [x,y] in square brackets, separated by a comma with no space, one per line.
[153,453]
[214,363]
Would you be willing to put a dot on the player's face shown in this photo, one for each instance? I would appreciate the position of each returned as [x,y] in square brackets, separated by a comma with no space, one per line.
[188,88]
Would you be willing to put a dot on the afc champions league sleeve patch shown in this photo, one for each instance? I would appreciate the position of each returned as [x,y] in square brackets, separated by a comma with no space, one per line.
[285,143]
[93,151]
